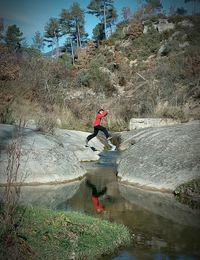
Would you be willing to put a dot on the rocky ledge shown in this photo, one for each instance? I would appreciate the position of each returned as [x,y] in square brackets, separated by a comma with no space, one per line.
[161,157]
[44,158]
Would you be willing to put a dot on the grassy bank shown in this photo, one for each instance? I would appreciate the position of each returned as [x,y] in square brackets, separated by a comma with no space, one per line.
[47,234]
[189,193]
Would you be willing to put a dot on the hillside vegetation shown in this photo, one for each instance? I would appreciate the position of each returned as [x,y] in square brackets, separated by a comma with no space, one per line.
[145,69]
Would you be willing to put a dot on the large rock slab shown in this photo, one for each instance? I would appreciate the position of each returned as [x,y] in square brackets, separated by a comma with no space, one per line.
[161,157]
[46,158]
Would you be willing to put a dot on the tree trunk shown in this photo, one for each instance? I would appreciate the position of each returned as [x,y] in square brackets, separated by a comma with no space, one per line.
[72,51]
[104,16]
[79,36]
[57,48]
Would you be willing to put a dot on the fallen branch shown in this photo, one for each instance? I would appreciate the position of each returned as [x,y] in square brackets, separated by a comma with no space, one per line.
[140,76]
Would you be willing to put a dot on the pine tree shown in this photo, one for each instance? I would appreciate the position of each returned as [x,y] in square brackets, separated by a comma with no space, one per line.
[66,27]
[53,33]
[98,32]
[38,41]
[102,10]
[77,23]
[13,36]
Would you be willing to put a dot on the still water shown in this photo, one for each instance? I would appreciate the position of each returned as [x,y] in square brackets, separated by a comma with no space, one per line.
[162,227]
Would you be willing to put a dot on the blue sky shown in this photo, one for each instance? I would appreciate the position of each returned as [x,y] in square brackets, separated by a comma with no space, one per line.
[32,15]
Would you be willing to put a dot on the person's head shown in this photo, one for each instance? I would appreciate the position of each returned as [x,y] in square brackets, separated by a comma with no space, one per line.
[101,111]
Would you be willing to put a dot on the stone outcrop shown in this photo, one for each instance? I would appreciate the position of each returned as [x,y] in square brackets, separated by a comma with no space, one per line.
[48,158]
[161,157]
[161,25]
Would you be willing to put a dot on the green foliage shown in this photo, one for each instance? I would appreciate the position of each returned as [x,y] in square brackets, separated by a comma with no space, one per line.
[83,79]
[13,35]
[105,11]
[98,32]
[52,32]
[189,193]
[38,41]
[32,52]
[147,44]
[94,77]
[77,29]
[66,58]
[193,34]
[118,34]
[72,22]
[65,21]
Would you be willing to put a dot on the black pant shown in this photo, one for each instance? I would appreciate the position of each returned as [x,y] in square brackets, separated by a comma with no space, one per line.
[96,130]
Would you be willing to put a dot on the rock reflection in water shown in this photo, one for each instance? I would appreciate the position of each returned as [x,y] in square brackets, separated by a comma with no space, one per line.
[48,196]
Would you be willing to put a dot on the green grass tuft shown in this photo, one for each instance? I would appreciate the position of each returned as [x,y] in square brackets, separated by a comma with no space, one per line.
[64,235]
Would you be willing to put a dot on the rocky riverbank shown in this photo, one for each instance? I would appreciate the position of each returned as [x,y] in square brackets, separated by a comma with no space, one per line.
[155,157]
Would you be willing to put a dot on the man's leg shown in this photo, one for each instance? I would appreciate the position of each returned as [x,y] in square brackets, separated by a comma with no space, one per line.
[104,130]
[96,130]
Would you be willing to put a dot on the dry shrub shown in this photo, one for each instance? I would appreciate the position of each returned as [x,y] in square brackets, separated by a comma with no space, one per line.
[191,63]
[108,42]
[83,112]
[124,74]
[116,120]
[46,124]
[9,68]
[134,29]
[165,110]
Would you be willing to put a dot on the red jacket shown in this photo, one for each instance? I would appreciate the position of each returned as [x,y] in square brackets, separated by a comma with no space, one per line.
[99,117]
[97,206]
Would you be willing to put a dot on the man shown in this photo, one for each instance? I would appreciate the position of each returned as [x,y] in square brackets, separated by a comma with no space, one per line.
[97,126]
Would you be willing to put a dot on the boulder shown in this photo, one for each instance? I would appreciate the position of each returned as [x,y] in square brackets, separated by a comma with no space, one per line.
[164,49]
[164,25]
[186,23]
[161,157]
[47,158]
[161,25]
